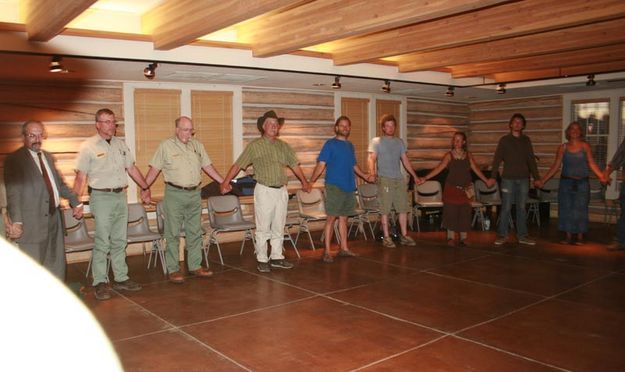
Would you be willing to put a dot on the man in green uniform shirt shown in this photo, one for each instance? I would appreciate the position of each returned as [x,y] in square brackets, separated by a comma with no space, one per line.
[269,155]
[103,161]
[182,159]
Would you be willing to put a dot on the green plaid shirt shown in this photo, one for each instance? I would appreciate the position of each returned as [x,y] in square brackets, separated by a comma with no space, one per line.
[269,159]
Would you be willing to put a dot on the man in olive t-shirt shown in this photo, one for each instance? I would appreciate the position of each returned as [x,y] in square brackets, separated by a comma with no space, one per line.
[269,155]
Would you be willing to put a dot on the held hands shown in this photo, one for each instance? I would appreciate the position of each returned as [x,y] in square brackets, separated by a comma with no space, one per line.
[146,196]
[370,178]
[605,178]
[491,182]
[14,231]
[420,181]
[538,184]
[225,187]
[306,186]
[77,212]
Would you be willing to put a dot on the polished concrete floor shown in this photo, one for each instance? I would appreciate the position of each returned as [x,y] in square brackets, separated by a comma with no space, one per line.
[425,308]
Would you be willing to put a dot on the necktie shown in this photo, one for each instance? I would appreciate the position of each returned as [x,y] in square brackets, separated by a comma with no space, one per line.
[46,179]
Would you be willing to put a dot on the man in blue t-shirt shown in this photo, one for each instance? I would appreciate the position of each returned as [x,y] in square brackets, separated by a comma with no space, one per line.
[339,158]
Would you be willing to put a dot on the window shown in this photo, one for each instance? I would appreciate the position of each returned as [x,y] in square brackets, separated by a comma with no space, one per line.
[357,109]
[594,117]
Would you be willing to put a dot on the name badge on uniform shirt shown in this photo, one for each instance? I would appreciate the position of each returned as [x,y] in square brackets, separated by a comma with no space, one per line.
[100,155]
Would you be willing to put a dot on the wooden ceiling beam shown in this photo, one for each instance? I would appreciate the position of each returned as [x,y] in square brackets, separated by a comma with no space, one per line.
[587,36]
[556,60]
[46,19]
[326,20]
[593,68]
[497,22]
[178,22]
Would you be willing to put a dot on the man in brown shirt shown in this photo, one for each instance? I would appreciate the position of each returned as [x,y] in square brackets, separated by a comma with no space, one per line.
[516,152]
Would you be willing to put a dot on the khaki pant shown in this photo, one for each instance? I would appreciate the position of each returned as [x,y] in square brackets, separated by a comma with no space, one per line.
[110,212]
[183,208]
[270,210]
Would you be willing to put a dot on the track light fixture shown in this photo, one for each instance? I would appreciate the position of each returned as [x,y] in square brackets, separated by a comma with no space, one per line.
[386,88]
[450,91]
[55,64]
[591,81]
[501,88]
[150,71]
[337,83]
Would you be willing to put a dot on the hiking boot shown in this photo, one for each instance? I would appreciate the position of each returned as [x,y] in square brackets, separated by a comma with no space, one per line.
[346,253]
[263,267]
[388,242]
[327,258]
[527,241]
[102,292]
[282,264]
[500,240]
[126,285]
[407,241]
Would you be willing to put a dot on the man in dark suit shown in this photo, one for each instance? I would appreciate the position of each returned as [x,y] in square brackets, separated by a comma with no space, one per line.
[34,188]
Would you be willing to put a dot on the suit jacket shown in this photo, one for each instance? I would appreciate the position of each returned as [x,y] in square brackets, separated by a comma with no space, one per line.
[27,195]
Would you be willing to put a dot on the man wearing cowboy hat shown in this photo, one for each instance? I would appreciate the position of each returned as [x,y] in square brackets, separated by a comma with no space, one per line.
[269,155]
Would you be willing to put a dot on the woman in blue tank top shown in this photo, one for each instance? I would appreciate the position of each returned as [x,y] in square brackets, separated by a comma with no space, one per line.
[576,160]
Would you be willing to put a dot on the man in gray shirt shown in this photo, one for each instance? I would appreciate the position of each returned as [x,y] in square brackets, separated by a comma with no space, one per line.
[618,160]
[386,153]
[516,152]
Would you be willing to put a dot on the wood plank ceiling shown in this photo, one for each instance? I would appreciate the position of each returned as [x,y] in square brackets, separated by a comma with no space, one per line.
[496,39]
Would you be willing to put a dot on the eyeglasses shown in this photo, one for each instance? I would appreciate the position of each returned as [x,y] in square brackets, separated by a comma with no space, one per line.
[34,136]
[109,122]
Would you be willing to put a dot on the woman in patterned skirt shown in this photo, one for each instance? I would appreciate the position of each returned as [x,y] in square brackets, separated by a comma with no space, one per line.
[456,205]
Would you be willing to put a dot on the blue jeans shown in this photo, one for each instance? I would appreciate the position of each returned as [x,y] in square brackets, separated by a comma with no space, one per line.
[573,199]
[620,225]
[513,192]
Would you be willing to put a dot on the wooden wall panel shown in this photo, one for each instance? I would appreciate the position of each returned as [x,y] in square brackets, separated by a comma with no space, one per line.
[309,121]
[66,109]
[489,122]
[431,125]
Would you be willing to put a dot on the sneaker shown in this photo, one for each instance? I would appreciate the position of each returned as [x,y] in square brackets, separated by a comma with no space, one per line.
[346,253]
[407,241]
[263,267]
[127,285]
[102,292]
[500,240]
[282,264]
[176,277]
[527,241]
[327,258]
[463,244]
[201,272]
[388,242]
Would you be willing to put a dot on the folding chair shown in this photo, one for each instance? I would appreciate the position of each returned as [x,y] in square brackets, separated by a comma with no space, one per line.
[224,215]
[139,232]
[427,195]
[77,237]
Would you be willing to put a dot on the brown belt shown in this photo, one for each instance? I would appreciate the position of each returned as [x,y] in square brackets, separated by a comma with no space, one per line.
[190,188]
